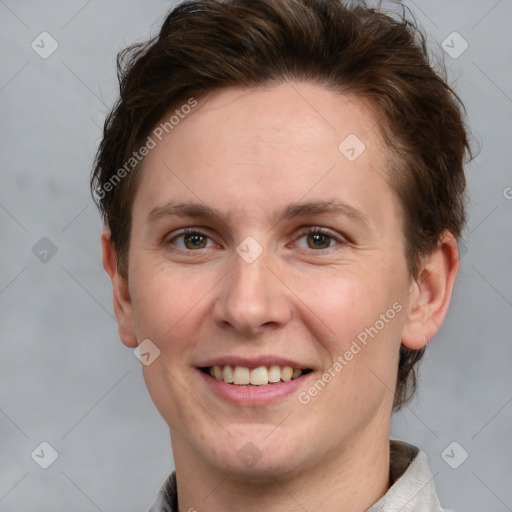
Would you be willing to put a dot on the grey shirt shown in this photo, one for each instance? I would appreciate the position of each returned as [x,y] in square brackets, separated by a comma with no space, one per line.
[412,485]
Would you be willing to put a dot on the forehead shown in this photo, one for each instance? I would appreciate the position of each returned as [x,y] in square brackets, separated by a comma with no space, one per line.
[240,147]
[258,122]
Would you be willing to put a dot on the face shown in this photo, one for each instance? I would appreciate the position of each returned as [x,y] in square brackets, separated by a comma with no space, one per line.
[259,241]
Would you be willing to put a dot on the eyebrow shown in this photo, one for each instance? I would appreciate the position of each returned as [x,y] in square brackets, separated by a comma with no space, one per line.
[293,210]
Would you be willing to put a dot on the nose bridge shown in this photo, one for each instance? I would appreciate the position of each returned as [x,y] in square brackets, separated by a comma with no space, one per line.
[251,296]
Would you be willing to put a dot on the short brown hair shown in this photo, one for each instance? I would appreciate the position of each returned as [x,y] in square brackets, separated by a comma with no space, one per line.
[206,45]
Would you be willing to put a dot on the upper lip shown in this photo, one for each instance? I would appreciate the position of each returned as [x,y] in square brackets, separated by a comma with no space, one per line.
[252,362]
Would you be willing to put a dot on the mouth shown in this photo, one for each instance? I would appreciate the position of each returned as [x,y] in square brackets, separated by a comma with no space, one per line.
[254,377]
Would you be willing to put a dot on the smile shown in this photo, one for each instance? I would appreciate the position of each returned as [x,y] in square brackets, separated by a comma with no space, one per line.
[260,376]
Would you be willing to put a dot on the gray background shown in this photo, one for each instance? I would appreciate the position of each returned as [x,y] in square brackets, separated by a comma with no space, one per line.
[68,380]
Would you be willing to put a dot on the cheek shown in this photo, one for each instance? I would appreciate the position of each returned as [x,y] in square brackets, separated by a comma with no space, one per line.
[167,307]
[165,303]
[346,301]
[359,318]
[359,321]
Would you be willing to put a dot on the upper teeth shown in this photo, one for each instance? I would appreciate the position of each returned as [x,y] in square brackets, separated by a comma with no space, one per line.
[260,376]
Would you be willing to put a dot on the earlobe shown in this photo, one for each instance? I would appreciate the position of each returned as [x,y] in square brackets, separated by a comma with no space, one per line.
[431,293]
[121,293]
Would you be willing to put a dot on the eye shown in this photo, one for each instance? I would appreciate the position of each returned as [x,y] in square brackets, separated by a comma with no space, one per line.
[318,239]
[191,239]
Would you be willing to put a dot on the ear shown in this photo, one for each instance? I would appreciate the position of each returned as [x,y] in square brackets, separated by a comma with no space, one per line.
[431,293]
[121,293]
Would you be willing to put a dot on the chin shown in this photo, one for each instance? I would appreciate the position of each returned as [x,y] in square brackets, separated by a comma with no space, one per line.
[264,471]
[262,460]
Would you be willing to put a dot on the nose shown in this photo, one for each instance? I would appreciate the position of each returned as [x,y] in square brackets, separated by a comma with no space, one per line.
[252,298]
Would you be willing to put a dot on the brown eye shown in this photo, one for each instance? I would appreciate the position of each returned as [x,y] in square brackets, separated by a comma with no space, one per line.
[318,241]
[191,240]
[195,241]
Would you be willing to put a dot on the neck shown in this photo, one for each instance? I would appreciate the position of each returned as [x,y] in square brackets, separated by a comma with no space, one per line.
[351,479]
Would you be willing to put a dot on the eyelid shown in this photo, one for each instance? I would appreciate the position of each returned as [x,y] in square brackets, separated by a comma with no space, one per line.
[340,239]
[306,230]
[169,237]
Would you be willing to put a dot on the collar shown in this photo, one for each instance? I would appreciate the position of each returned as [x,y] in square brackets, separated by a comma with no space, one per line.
[412,484]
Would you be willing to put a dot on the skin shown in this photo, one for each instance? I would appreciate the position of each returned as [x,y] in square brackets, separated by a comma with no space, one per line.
[250,153]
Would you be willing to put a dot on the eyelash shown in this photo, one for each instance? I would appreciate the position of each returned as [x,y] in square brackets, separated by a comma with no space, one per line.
[313,230]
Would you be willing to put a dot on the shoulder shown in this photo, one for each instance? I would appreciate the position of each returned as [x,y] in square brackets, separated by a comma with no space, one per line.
[412,484]
[167,498]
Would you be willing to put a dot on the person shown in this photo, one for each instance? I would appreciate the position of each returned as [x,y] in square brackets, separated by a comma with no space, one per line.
[282,187]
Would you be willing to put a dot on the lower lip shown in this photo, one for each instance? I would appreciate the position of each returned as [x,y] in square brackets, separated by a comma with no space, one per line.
[253,396]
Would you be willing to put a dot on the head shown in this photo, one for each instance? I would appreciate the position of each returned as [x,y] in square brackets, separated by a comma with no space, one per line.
[273,117]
